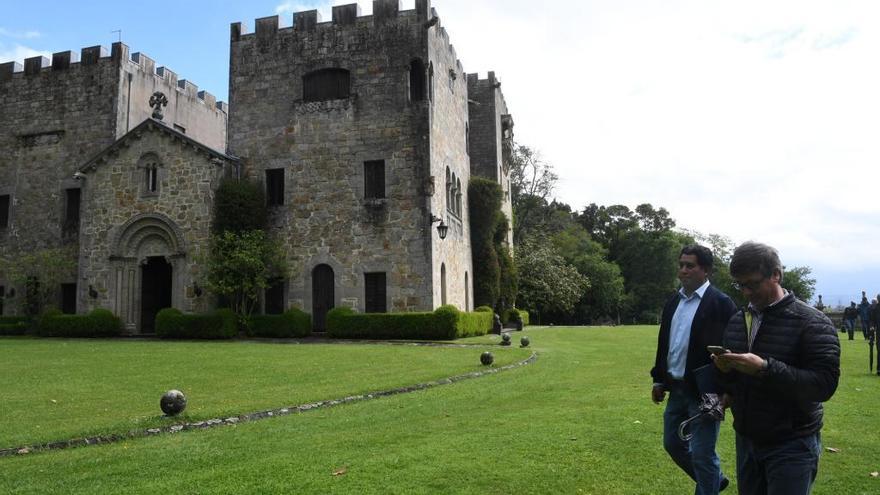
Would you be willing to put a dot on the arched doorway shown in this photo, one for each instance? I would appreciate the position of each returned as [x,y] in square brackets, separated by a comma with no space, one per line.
[156,277]
[323,296]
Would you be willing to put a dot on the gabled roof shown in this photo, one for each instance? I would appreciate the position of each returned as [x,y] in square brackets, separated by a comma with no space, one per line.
[147,125]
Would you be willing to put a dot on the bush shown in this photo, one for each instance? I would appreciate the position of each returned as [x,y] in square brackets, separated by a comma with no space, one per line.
[14,325]
[483,309]
[171,323]
[445,323]
[99,323]
[523,316]
[293,323]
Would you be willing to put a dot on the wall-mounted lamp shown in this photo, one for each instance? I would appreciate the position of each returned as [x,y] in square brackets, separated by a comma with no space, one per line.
[442,229]
[79,175]
[197,290]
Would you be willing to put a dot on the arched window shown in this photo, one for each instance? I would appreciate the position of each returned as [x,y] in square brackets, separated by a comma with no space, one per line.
[443,283]
[458,197]
[326,84]
[416,80]
[448,187]
[149,167]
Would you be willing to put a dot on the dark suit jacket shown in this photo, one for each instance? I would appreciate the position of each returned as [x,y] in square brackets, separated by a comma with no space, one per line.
[707,329]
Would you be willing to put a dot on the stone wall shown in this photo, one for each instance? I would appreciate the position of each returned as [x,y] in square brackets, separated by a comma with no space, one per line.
[322,147]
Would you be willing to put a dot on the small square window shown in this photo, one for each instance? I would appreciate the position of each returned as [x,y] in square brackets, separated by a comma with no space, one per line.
[71,211]
[374,179]
[275,187]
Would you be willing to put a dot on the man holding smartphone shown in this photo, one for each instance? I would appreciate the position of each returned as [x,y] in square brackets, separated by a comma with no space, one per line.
[784,361]
[692,319]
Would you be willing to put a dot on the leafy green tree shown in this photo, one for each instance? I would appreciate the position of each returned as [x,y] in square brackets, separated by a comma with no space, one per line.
[604,298]
[548,284]
[241,266]
[799,281]
[532,181]
[649,264]
[40,273]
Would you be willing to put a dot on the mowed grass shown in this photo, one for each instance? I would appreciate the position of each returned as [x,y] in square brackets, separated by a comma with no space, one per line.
[60,389]
[579,420]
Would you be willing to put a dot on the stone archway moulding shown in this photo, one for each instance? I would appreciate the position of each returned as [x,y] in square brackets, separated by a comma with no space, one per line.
[142,231]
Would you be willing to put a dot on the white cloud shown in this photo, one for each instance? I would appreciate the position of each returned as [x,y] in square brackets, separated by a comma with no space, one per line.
[19,34]
[18,53]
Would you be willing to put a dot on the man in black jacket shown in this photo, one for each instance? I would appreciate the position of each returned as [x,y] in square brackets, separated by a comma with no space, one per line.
[784,361]
[692,319]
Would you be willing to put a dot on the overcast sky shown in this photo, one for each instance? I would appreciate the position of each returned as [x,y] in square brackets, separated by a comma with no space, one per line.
[752,119]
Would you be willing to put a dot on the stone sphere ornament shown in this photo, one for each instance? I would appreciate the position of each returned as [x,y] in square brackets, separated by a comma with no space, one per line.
[505,339]
[173,402]
[524,342]
[487,358]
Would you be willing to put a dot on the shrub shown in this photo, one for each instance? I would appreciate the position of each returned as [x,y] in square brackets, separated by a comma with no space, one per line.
[171,323]
[524,316]
[445,323]
[14,325]
[293,323]
[483,309]
[99,323]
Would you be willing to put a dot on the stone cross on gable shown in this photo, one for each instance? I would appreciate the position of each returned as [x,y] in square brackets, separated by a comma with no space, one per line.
[157,101]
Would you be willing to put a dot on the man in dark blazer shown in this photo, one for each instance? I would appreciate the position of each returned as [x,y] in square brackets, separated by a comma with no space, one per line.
[693,318]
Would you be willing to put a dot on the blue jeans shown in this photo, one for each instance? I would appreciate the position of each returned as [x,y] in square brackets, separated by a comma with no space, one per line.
[696,457]
[786,468]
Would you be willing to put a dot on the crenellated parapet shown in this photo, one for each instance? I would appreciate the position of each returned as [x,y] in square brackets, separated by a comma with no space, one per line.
[97,58]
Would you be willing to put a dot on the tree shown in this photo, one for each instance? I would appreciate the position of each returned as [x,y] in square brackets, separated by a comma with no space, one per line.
[547,284]
[798,281]
[532,181]
[40,273]
[241,266]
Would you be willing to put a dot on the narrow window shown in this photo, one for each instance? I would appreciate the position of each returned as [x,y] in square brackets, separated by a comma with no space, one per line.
[326,84]
[152,178]
[2,297]
[275,187]
[374,179]
[374,293]
[68,299]
[458,197]
[274,298]
[467,139]
[448,187]
[71,210]
[4,211]
[416,80]
[443,283]
[431,81]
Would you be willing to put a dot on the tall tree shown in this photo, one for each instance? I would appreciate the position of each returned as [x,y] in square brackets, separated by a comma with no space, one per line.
[532,181]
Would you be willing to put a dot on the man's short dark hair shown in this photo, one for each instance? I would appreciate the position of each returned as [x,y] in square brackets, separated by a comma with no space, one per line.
[754,257]
[703,254]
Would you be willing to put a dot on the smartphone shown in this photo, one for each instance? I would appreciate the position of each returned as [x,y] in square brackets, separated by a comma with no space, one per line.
[717,349]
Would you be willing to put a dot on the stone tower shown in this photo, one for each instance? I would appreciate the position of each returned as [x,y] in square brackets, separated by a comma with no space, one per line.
[58,115]
[358,127]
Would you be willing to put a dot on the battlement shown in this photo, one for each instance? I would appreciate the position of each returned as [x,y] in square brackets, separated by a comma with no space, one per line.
[384,11]
[99,56]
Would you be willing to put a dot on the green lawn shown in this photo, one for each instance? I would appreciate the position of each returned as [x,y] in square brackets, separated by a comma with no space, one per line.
[579,420]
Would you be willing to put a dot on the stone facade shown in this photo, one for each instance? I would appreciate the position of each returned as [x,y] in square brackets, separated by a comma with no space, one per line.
[360,178]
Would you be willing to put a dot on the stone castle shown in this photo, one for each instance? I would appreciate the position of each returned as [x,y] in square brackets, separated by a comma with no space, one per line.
[365,131]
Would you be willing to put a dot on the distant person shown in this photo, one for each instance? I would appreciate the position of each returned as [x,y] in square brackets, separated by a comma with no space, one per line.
[692,319]
[849,319]
[820,305]
[865,315]
[784,361]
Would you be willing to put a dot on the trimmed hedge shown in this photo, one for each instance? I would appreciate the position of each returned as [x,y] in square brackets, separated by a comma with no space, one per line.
[99,323]
[293,323]
[483,309]
[171,323]
[524,316]
[444,323]
[14,325]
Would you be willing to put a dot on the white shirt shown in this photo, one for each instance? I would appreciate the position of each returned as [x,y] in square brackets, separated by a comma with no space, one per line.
[680,330]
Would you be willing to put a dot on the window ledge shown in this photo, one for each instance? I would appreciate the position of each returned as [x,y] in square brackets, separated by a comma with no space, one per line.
[326,106]
[375,203]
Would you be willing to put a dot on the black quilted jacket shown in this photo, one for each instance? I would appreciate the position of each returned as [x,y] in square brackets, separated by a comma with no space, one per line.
[801,346]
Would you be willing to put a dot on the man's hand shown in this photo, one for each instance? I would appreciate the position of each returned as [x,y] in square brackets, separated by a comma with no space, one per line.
[658,393]
[748,363]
